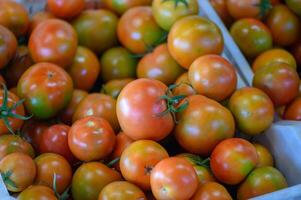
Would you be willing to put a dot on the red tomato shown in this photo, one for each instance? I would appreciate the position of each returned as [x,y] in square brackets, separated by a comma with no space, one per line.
[91,138]
[265,157]
[65,9]
[138,108]
[37,192]
[114,87]
[220,7]
[184,87]
[37,18]
[232,160]
[212,191]
[121,6]
[192,37]
[8,45]
[171,177]
[293,110]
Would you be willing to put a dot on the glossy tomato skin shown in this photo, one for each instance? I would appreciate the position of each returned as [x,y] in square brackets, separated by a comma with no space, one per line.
[91,138]
[53,41]
[279,81]
[8,46]
[85,69]
[114,87]
[121,6]
[117,63]
[66,9]
[252,36]
[210,122]
[14,16]
[252,109]
[49,164]
[184,86]
[38,192]
[232,160]
[166,13]
[37,18]
[90,178]
[198,37]
[244,8]
[284,25]
[159,65]
[212,191]
[22,168]
[138,37]
[52,89]
[170,178]
[98,105]
[138,160]
[265,157]
[220,7]
[96,29]
[294,5]
[138,107]
[293,110]
[261,181]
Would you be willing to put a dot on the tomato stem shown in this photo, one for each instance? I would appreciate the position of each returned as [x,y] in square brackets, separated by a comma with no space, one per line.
[6,179]
[65,195]
[264,7]
[113,162]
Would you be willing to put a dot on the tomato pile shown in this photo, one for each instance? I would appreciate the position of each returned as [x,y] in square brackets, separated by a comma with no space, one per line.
[132,100]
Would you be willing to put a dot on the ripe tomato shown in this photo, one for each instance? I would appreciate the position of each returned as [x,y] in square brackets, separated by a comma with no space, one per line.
[96,29]
[114,87]
[170,178]
[166,13]
[66,9]
[91,138]
[296,51]
[284,25]
[46,88]
[18,171]
[138,31]
[220,7]
[213,76]
[37,18]
[117,63]
[203,124]
[159,65]
[90,178]
[14,16]
[192,37]
[98,105]
[183,86]
[261,181]
[8,46]
[68,112]
[279,81]
[121,6]
[121,190]
[138,160]
[265,158]
[252,36]
[212,191]
[294,5]
[273,56]
[252,109]
[84,69]
[49,164]
[37,192]
[138,108]
[293,110]
[12,143]
[232,160]
[53,41]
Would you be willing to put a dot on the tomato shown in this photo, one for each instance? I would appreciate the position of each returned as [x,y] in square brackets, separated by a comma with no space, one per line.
[138,31]
[68,112]
[265,158]
[166,13]
[12,143]
[37,18]
[138,160]
[139,109]
[98,105]
[279,81]
[46,88]
[232,160]
[94,4]
[284,25]
[273,56]
[296,51]
[49,164]
[117,63]
[8,46]
[261,181]
[159,65]
[121,6]
[293,110]
[65,9]
[212,191]
[213,76]
[252,36]
[84,69]
[220,7]
[96,29]
[18,171]
[14,16]
[114,87]
[203,124]
[53,41]
[91,138]
[183,86]
[252,109]
[90,178]
[170,178]
[37,192]
[192,37]
[294,5]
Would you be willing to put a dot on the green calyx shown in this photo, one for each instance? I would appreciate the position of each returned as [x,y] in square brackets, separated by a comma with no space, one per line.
[177,2]
[264,7]
[6,179]
[113,162]
[197,160]
[65,195]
